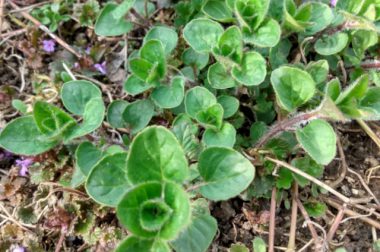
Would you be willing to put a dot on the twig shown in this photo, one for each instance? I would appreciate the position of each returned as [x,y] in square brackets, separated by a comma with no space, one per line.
[313,232]
[336,222]
[364,184]
[343,166]
[306,246]
[369,132]
[310,178]
[1,14]
[349,212]
[272,220]
[45,29]
[61,239]
[293,220]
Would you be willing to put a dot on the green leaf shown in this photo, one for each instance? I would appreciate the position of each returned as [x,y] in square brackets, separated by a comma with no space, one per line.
[230,105]
[362,40]
[76,94]
[153,52]
[144,70]
[296,20]
[115,113]
[135,244]
[224,137]
[86,156]
[267,35]
[333,89]
[238,248]
[251,13]
[136,120]
[331,44]
[315,209]
[198,99]
[284,179]
[217,10]
[231,44]
[219,78]
[309,166]
[318,70]
[92,119]
[122,9]
[170,96]
[197,236]
[278,55]
[156,155]
[107,181]
[21,136]
[212,116]
[318,139]
[107,25]
[166,35]
[252,70]
[50,120]
[19,106]
[321,17]
[259,245]
[226,172]
[372,99]
[195,59]
[134,85]
[202,34]
[257,130]
[293,87]
[134,201]
[355,91]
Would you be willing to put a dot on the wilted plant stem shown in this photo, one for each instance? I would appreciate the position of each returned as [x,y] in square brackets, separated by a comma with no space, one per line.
[285,125]
[272,220]
[293,220]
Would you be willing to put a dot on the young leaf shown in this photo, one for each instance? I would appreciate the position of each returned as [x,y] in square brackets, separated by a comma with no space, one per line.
[318,70]
[212,116]
[109,25]
[155,155]
[219,78]
[144,70]
[76,94]
[153,52]
[134,244]
[217,10]
[122,9]
[252,70]
[226,172]
[107,181]
[293,87]
[19,106]
[197,237]
[259,245]
[318,139]
[166,35]
[321,17]
[175,199]
[230,105]
[238,248]
[231,44]
[309,166]
[115,113]
[50,120]
[267,35]
[315,209]
[224,137]
[195,59]
[21,136]
[198,99]
[202,34]
[331,44]
[136,120]
[250,13]
[170,96]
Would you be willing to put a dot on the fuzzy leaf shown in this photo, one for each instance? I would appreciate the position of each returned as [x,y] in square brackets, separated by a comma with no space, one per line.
[224,137]
[198,99]
[136,120]
[86,156]
[331,44]
[134,244]
[217,10]
[267,35]
[170,96]
[219,78]
[252,70]
[115,113]
[108,24]
[166,35]
[230,105]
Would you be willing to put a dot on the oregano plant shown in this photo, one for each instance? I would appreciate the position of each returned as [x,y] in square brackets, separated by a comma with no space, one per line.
[207,101]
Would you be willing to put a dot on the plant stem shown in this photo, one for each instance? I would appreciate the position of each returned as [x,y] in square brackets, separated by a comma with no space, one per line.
[272,220]
[286,124]
[310,178]
[313,232]
[369,132]
[335,224]
[293,220]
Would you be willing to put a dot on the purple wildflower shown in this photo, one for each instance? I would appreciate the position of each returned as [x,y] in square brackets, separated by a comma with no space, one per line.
[333,2]
[88,49]
[24,166]
[101,67]
[48,45]
[18,249]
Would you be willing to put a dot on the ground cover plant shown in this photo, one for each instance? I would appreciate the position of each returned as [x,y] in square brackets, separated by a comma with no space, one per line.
[157,126]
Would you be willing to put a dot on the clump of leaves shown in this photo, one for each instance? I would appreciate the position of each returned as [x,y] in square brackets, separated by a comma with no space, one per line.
[218,86]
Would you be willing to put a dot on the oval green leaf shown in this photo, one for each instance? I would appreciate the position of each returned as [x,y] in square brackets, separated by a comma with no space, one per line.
[170,96]
[136,120]
[331,44]
[252,70]
[198,99]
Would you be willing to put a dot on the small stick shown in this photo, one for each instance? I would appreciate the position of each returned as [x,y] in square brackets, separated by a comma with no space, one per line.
[344,165]
[272,220]
[335,224]
[369,132]
[364,184]
[313,232]
[45,29]
[61,239]
[310,178]
[293,220]
[1,14]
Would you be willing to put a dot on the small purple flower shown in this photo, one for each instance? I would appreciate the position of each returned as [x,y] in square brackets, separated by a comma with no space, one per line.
[24,166]
[88,49]
[333,2]
[48,45]
[18,249]
[101,67]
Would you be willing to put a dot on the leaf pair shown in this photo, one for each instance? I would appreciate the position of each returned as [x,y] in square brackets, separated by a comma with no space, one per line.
[32,135]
